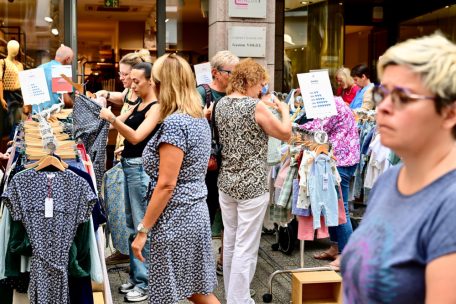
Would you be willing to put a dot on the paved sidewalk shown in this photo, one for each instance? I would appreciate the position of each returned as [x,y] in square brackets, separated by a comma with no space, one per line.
[268,262]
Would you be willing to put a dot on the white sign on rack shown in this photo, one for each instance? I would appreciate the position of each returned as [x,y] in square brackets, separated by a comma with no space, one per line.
[247,41]
[203,73]
[34,87]
[247,8]
[317,94]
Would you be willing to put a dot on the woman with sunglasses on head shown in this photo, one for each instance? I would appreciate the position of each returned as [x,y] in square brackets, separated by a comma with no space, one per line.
[137,126]
[404,251]
[177,218]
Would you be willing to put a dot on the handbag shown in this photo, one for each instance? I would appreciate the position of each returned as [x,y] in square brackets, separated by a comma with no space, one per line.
[215,158]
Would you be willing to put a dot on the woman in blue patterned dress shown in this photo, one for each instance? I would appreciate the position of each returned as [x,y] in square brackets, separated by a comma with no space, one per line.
[176,158]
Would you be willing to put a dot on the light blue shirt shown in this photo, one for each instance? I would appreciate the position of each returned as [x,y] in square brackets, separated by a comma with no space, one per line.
[358,100]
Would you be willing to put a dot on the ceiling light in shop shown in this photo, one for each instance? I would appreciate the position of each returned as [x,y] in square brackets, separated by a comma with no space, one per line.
[55,32]
[304,2]
[48,19]
[166,20]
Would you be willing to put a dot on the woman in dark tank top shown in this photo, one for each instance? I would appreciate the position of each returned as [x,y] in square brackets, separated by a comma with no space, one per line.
[137,126]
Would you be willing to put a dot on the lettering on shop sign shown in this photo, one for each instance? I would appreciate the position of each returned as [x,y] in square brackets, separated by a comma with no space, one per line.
[247,8]
[247,41]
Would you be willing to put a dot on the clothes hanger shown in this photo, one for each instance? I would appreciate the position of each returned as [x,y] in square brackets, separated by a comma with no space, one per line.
[46,161]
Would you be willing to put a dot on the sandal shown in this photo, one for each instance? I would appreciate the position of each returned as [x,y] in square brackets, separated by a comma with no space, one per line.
[325,256]
[335,265]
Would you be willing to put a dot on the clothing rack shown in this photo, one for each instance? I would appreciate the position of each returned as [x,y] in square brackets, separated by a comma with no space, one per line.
[267,297]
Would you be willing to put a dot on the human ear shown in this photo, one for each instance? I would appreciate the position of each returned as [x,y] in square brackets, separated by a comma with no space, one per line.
[449,116]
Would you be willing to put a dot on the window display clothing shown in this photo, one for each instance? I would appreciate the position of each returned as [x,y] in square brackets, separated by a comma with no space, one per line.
[386,258]
[50,225]
[180,241]
[136,182]
[9,76]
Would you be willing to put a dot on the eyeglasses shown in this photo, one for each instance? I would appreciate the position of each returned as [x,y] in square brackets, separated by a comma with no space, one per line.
[399,96]
[123,74]
[226,71]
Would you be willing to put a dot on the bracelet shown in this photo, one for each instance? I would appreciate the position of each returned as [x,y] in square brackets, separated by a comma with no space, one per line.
[112,120]
[107,96]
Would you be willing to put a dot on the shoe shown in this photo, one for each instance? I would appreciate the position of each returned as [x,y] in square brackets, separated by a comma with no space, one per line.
[117,258]
[219,269]
[325,256]
[252,292]
[126,288]
[136,295]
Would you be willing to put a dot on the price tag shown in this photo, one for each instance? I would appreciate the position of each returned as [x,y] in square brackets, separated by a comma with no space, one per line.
[48,207]
[325,181]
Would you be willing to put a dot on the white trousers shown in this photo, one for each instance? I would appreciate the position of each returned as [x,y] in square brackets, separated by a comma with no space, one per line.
[243,222]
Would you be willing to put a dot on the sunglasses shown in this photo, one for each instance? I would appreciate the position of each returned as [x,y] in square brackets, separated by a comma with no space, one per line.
[226,71]
[399,96]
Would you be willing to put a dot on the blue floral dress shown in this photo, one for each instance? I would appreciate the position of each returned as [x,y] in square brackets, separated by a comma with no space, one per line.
[181,257]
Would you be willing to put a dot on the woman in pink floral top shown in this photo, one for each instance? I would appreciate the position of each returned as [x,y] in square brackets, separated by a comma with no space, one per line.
[343,135]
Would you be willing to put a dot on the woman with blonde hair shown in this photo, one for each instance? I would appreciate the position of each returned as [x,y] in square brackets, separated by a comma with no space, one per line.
[404,250]
[244,123]
[177,217]
[347,88]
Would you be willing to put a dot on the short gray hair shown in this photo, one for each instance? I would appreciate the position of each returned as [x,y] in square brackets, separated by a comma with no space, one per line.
[432,57]
[222,58]
[63,51]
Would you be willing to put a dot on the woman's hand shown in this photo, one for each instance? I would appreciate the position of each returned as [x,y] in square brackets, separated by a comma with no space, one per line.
[208,111]
[106,114]
[102,93]
[138,245]
[118,152]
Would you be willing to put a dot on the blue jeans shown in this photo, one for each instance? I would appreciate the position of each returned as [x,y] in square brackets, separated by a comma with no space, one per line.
[136,183]
[342,233]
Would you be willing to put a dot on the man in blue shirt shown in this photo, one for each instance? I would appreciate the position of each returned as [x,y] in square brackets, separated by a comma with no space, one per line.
[363,98]
[63,56]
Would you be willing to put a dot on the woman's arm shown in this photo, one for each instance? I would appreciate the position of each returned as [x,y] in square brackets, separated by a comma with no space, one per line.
[280,129]
[114,97]
[171,158]
[440,280]
[144,129]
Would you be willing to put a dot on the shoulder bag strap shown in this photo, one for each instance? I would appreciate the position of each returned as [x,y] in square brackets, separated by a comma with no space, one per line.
[208,98]
[215,134]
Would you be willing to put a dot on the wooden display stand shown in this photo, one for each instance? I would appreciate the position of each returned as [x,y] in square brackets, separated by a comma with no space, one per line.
[316,287]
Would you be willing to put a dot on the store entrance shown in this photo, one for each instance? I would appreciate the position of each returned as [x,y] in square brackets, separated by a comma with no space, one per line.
[108,31]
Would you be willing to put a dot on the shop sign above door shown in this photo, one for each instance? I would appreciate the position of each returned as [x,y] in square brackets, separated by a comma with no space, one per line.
[247,41]
[247,8]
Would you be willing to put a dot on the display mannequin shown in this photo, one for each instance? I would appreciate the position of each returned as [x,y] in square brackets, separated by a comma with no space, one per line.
[10,90]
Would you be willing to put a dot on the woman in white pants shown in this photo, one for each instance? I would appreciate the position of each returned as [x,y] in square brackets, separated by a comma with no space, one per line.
[244,122]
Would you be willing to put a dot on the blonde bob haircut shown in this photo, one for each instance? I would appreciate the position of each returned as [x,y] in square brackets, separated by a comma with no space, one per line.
[246,74]
[176,87]
[344,74]
[432,57]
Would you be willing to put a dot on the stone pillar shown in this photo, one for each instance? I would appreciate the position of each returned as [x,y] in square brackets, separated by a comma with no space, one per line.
[220,22]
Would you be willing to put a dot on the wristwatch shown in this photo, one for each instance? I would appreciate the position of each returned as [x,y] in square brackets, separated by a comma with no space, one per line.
[142,229]
[112,119]
[108,95]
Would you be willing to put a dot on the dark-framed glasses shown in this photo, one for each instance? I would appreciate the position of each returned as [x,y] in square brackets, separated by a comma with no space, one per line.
[226,71]
[399,96]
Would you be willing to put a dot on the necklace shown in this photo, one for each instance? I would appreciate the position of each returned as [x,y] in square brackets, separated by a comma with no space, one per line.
[349,92]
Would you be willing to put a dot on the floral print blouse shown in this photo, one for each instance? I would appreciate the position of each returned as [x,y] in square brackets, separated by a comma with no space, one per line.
[342,132]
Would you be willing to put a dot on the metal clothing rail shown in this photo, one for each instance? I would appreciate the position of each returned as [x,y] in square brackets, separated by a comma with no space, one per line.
[267,297]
